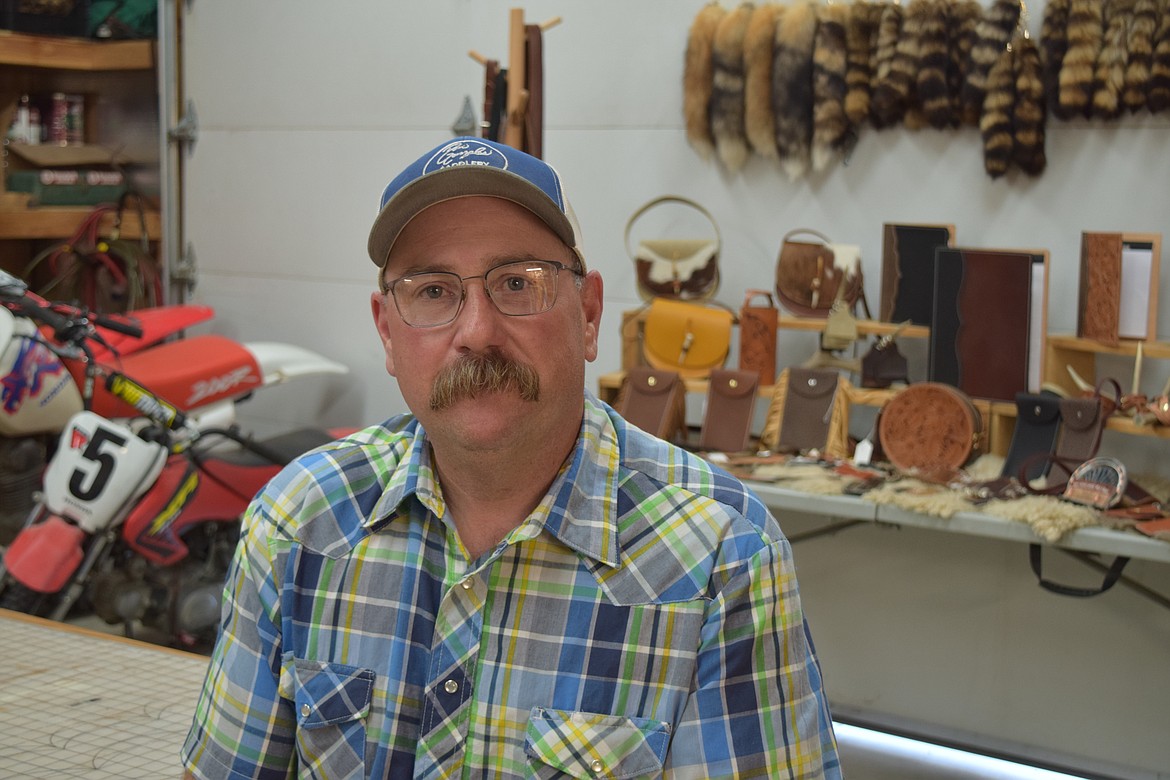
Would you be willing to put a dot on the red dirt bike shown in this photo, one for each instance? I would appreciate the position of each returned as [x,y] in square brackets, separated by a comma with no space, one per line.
[139,509]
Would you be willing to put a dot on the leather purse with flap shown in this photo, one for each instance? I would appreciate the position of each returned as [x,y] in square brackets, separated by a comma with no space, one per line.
[655,401]
[731,404]
[686,337]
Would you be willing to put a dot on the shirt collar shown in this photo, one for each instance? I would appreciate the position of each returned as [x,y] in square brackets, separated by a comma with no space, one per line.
[581,502]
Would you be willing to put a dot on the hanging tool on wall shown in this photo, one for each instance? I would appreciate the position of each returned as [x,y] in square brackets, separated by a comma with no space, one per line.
[513,109]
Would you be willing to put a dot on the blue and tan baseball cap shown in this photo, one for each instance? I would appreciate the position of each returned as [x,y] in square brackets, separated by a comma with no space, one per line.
[470,166]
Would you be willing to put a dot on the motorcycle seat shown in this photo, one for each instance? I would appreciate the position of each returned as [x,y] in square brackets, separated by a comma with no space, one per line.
[189,374]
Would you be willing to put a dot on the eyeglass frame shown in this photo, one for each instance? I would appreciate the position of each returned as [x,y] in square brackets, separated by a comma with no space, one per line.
[387,288]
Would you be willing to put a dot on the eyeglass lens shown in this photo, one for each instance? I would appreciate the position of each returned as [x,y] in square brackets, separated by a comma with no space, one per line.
[517,289]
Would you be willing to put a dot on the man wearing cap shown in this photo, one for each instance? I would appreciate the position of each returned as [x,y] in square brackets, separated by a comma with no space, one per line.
[510,581]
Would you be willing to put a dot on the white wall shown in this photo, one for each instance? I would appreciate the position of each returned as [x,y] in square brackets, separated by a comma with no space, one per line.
[307,109]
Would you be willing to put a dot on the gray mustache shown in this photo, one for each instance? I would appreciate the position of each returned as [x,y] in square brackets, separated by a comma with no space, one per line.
[473,375]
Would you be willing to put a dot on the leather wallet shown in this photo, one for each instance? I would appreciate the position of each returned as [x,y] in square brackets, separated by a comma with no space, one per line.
[1037,424]
[808,409]
[653,400]
[731,404]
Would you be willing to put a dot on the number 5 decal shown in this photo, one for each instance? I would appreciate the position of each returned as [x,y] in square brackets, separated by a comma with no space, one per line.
[105,460]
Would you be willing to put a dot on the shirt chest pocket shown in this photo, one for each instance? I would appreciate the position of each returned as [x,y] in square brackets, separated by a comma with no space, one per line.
[331,702]
[587,745]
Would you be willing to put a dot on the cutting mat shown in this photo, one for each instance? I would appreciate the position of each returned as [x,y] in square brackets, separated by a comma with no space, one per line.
[75,703]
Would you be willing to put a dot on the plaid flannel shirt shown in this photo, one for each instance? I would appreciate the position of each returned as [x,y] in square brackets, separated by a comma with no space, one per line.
[643,621]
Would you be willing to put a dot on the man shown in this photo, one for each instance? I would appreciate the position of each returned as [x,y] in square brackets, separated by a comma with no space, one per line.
[510,581]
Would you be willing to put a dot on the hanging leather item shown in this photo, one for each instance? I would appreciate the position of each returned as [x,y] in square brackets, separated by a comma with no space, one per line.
[682,268]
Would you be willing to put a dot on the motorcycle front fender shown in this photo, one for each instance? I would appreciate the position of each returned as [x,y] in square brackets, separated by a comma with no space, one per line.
[44,556]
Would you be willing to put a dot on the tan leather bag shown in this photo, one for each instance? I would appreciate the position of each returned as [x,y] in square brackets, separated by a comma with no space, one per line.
[682,268]
[757,335]
[930,430]
[688,337]
[809,273]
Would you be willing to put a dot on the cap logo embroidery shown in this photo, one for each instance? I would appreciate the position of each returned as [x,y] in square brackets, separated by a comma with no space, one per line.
[466,153]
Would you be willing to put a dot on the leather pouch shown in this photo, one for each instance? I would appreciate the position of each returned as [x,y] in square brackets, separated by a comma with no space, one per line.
[1037,425]
[1081,422]
[655,401]
[687,337]
[930,429]
[884,364]
[757,336]
[731,404]
[807,412]
[840,327]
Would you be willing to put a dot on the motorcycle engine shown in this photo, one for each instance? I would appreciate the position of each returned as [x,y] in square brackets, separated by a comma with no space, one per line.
[22,460]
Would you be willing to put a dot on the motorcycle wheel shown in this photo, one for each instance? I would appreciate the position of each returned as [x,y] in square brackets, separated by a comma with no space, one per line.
[18,598]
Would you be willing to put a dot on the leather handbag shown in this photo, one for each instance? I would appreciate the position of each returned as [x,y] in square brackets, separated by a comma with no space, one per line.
[808,412]
[884,364]
[731,405]
[1037,425]
[757,336]
[688,337]
[930,430]
[808,274]
[655,401]
[682,268]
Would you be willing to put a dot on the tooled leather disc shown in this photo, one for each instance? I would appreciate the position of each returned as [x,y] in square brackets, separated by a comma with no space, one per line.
[928,426]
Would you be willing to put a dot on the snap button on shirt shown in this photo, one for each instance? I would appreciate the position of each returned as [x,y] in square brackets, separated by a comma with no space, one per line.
[450,686]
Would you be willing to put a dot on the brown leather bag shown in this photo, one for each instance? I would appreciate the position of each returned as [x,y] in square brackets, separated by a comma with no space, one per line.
[808,274]
[757,336]
[655,401]
[682,268]
[808,411]
[930,430]
[731,404]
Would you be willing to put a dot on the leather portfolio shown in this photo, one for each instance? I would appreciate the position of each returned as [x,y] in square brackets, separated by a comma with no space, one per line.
[908,270]
[653,400]
[988,323]
[727,417]
[1099,309]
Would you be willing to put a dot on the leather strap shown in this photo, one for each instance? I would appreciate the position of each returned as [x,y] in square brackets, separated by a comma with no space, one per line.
[534,83]
[1112,575]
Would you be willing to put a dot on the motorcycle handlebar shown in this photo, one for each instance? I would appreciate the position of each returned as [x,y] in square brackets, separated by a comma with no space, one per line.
[118,325]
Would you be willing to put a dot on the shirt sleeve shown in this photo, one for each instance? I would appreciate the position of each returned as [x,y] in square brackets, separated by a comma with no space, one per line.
[242,728]
[759,708]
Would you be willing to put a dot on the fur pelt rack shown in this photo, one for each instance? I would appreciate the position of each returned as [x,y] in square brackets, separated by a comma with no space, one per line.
[798,83]
[514,96]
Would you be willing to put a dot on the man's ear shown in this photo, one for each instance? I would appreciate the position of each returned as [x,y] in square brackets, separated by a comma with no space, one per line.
[592,296]
[380,306]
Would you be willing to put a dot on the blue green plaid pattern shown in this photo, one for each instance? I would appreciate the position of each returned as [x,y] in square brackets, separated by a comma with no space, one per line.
[643,621]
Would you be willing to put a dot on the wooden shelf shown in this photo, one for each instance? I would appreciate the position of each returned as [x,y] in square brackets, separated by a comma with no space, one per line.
[864,327]
[59,222]
[44,51]
[1158,350]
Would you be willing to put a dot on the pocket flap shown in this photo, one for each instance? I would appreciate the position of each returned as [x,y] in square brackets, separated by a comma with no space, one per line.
[1037,409]
[326,693]
[1079,414]
[648,381]
[812,383]
[734,384]
[583,744]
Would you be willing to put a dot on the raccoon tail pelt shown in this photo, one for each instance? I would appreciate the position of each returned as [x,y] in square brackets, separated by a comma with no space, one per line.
[962,18]
[883,106]
[830,125]
[1109,81]
[895,97]
[1158,92]
[933,95]
[759,123]
[1028,116]
[992,34]
[727,88]
[1140,47]
[995,123]
[698,73]
[1054,40]
[792,98]
[859,42]
[1085,30]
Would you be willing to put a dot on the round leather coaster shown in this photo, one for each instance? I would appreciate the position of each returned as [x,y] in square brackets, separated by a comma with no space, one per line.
[929,426]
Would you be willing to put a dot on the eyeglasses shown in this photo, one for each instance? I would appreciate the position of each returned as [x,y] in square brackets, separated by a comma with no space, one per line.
[517,288]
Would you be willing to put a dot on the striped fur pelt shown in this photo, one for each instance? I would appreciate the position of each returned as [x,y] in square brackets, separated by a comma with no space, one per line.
[884,109]
[792,98]
[1054,44]
[759,122]
[860,39]
[1085,29]
[1158,91]
[698,73]
[995,122]
[1030,111]
[992,34]
[1140,49]
[962,19]
[934,98]
[1109,76]
[830,125]
[727,88]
